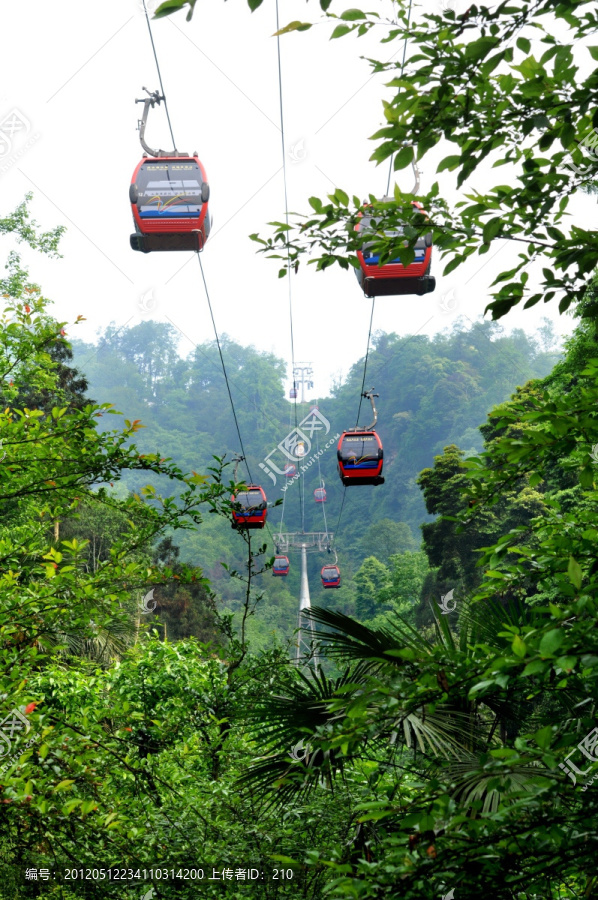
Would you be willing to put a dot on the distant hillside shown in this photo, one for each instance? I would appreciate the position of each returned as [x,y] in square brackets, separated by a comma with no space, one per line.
[433,392]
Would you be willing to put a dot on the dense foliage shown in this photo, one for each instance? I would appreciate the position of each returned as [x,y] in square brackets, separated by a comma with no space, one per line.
[433,391]
[445,743]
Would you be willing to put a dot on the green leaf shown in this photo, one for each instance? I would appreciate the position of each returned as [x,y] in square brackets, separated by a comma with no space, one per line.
[535,667]
[479,48]
[551,642]
[593,52]
[403,158]
[586,478]
[64,785]
[169,7]
[523,44]
[574,572]
[567,663]
[339,31]
[543,737]
[491,229]
[450,163]
[87,806]
[519,648]
[351,15]
[292,26]
[69,806]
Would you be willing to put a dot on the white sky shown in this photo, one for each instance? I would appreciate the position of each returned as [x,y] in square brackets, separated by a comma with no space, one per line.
[73,71]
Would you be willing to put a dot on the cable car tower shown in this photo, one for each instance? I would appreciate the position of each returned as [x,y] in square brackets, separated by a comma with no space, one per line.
[302,373]
[313,541]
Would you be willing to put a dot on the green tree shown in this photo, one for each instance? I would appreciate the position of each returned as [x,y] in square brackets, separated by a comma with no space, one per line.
[370,579]
[408,574]
[386,537]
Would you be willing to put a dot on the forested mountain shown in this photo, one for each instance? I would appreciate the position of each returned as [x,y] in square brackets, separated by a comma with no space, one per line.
[438,739]
[433,392]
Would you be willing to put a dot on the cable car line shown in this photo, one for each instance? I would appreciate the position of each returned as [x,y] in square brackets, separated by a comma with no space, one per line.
[230,396]
[399,91]
[365,366]
[147,19]
[284,496]
[322,504]
[244,515]
[286,213]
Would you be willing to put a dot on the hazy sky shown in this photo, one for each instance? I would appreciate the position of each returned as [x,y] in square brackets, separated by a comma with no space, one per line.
[72,72]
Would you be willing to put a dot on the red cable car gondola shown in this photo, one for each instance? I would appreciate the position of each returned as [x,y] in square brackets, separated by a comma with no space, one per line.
[331,577]
[394,278]
[290,470]
[249,507]
[320,495]
[293,392]
[281,565]
[360,458]
[169,196]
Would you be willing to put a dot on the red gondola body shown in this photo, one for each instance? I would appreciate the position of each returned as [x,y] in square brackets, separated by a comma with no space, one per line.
[169,198]
[293,394]
[320,495]
[360,458]
[281,565]
[393,278]
[290,470]
[249,507]
[331,577]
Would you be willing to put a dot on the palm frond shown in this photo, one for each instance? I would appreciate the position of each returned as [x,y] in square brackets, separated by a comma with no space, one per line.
[372,646]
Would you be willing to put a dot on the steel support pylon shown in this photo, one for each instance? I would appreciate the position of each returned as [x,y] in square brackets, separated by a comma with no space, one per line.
[305,638]
[320,542]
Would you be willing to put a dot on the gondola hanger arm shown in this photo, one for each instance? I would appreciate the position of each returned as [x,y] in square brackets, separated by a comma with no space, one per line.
[153,98]
[369,395]
[237,460]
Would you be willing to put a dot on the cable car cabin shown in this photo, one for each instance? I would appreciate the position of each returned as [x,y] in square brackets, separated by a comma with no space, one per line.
[249,508]
[320,495]
[281,565]
[293,394]
[290,470]
[394,278]
[360,458]
[169,198]
[331,577]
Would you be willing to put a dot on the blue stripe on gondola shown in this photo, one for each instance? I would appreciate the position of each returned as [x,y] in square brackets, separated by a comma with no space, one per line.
[373,260]
[173,212]
[366,464]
